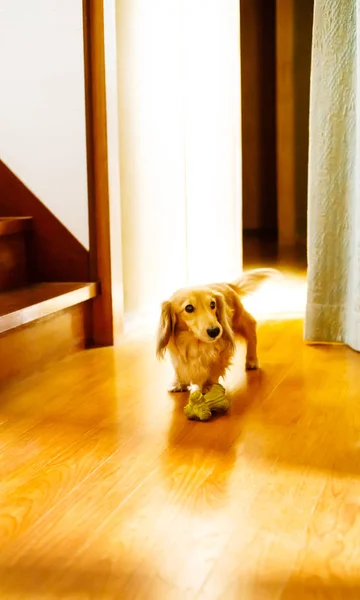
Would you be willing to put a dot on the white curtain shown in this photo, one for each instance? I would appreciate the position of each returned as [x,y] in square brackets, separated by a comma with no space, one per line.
[333,306]
[180,146]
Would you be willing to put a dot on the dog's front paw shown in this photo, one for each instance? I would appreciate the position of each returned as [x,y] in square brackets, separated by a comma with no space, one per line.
[252,364]
[177,388]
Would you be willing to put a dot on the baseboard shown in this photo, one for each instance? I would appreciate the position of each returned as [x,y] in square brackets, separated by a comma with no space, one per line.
[35,346]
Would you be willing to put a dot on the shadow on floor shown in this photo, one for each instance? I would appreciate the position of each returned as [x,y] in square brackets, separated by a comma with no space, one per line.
[313,588]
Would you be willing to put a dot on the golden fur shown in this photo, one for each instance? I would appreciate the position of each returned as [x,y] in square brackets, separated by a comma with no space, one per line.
[199,360]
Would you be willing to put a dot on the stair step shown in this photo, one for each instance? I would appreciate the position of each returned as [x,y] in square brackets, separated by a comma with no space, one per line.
[11,225]
[25,305]
[14,252]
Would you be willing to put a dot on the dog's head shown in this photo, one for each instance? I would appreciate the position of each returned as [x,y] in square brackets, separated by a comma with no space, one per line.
[202,311]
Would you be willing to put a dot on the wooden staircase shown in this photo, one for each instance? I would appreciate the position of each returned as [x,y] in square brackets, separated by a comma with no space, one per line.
[40,322]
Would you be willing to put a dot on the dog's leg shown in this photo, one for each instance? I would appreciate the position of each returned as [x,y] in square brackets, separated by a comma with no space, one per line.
[251,361]
[205,378]
[247,329]
[199,379]
[190,377]
[178,387]
[180,381]
[201,384]
[195,387]
[209,383]
[217,372]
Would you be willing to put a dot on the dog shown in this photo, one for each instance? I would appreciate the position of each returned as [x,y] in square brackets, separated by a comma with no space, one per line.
[199,326]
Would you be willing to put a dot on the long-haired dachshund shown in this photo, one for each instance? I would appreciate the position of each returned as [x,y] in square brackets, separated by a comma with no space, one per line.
[199,326]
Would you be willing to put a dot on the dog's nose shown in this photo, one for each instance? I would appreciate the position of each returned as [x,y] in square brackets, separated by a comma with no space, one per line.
[213,332]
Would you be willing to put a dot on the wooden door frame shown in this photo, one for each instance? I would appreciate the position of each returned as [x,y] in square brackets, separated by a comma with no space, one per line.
[102,133]
[285,120]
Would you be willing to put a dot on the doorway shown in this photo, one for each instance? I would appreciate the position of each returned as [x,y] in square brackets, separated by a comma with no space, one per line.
[276,38]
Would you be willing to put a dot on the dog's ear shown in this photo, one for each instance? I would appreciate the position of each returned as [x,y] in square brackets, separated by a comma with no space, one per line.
[166,329]
[224,316]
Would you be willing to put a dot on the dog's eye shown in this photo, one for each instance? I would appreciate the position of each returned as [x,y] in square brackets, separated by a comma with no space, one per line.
[189,308]
[212,304]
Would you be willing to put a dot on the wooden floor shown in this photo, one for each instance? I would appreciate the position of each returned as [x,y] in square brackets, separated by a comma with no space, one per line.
[108,492]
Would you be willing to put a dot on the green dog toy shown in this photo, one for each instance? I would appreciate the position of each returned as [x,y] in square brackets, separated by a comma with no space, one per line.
[201,406]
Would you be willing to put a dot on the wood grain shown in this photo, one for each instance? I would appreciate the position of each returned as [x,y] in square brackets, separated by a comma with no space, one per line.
[56,254]
[11,225]
[26,305]
[40,324]
[109,492]
[258,119]
[14,267]
[103,168]
[33,347]
[285,119]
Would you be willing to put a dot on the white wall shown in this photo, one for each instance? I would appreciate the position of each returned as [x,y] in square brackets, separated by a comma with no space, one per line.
[42,104]
[179,111]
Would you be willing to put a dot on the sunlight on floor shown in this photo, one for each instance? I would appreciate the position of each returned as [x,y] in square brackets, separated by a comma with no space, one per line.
[279,299]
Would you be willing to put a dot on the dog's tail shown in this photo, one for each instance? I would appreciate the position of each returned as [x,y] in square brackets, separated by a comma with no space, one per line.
[251,280]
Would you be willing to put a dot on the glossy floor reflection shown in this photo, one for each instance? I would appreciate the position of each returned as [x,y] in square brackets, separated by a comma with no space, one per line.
[108,492]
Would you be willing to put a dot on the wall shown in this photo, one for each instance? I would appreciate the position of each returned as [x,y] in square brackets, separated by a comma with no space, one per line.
[42,104]
[303,19]
[258,65]
[257,18]
[293,53]
[179,111]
